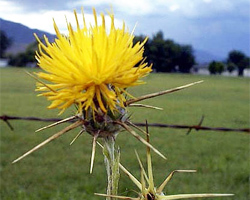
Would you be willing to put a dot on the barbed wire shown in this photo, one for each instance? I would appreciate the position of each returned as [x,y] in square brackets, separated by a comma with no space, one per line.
[7,118]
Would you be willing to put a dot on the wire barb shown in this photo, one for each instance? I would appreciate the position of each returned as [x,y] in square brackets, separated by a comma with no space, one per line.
[201,121]
[5,118]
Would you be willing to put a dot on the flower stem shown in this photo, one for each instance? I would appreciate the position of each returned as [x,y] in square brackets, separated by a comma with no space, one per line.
[111,159]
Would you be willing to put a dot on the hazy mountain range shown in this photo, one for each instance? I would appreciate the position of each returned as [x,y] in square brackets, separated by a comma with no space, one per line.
[22,36]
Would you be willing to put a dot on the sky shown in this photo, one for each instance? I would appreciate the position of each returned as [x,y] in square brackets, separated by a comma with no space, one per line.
[215,26]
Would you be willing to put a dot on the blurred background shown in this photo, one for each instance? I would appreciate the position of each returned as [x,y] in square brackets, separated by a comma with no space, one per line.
[188,41]
[184,36]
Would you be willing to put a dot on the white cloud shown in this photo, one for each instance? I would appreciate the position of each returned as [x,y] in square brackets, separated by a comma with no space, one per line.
[133,7]
[130,10]
[7,7]
[204,19]
[207,1]
[43,19]
[204,8]
[174,7]
[144,7]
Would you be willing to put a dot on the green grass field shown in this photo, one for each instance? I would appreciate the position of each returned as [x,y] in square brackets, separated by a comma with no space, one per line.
[59,171]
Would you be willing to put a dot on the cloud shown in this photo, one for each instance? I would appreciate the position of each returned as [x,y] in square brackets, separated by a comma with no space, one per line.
[174,7]
[207,1]
[131,7]
[43,19]
[8,7]
[205,8]
[32,5]
[187,8]
[203,23]
[62,16]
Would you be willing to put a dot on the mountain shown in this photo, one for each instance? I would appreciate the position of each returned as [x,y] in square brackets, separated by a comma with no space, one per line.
[206,57]
[21,35]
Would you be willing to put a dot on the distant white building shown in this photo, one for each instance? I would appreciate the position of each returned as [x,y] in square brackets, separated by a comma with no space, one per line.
[203,70]
[247,72]
[3,62]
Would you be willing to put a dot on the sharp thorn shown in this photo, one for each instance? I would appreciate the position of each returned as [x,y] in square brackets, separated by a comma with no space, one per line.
[53,137]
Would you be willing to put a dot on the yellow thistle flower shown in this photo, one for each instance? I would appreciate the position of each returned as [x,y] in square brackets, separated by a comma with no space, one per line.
[91,67]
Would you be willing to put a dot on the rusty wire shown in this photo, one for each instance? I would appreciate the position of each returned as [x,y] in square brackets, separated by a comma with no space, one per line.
[7,118]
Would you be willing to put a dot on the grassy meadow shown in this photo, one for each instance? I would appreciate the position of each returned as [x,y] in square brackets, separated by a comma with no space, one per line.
[60,171]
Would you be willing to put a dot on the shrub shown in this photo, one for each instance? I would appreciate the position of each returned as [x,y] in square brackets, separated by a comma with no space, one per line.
[216,67]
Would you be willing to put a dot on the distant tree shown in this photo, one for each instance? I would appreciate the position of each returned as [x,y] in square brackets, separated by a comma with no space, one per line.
[167,54]
[220,67]
[231,67]
[212,67]
[24,58]
[186,58]
[239,59]
[216,67]
[158,53]
[172,50]
[5,43]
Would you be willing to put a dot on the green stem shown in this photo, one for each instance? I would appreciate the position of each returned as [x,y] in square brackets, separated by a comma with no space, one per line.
[111,159]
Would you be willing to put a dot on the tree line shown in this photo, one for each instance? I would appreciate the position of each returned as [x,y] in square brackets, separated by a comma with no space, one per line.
[236,60]
[169,56]
[165,54]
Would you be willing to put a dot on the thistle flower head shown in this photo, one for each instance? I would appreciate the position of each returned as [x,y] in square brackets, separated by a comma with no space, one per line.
[91,66]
